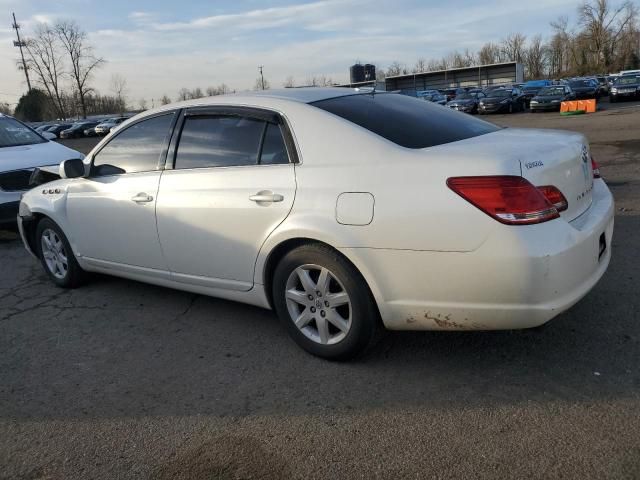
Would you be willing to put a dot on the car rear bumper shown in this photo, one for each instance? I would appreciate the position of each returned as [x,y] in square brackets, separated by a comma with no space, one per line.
[521,276]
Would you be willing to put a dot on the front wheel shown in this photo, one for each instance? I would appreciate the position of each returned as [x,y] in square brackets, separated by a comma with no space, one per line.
[56,255]
[324,303]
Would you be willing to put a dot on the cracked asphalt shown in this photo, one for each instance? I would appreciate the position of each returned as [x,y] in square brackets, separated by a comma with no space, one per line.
[119,379]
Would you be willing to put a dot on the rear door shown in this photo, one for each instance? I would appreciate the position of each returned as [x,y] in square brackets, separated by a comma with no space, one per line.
[232,183]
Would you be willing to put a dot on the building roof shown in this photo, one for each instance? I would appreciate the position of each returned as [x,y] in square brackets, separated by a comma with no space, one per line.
[431,72]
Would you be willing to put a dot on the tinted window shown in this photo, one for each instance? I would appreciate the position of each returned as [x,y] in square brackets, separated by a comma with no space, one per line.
[273,150]
[406,121]
[135,149]
[14,133]
[219,141]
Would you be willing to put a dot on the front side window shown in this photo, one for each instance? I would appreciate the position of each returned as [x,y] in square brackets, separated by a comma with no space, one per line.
[135,149]
[228,141]
[14,133]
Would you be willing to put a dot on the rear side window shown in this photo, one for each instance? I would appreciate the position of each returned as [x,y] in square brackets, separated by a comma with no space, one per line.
[406,121]
[274,150]
[135,149]
[226,141]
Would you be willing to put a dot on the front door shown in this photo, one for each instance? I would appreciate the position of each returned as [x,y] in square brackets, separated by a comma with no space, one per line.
[231,186]
[112,213]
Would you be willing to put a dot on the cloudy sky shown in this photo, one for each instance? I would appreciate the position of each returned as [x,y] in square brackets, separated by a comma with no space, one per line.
[160,46]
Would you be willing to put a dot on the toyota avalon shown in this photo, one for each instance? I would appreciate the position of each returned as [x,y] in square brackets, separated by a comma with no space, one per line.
[341,210]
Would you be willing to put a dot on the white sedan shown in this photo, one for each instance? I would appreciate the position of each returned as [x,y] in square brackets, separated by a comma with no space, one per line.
[341,210]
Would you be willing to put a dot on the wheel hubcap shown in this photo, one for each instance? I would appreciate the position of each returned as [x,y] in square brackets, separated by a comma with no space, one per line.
[318,304]
[54,253]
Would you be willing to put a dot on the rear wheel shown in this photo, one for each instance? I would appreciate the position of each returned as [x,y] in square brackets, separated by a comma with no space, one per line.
[56,255]
[324,303]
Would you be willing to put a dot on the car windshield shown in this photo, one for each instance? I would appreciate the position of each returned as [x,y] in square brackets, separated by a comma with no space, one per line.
[627,80]
[580,84]
[466,96]
[14,133]
[551,91]
[406,121]
[500,93]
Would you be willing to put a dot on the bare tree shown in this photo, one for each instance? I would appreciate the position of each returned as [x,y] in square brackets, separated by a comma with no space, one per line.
[184,94]
[261,84]
[513,47]
[196,93]
[5,108]
[604,26]
[489,53]
[45,58]
[164,100]
[394,69]
[81,58]
[289,82]
[420,66]
[535,58]
[221,89]
[118,85]
[143,104]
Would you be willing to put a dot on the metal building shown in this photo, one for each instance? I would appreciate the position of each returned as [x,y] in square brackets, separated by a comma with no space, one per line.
[481,76]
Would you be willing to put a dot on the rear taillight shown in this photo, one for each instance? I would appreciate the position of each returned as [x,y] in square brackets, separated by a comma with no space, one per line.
[595,168]
[509,199]
[555,197]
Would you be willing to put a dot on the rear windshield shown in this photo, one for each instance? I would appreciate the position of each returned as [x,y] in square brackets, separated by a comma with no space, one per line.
[14,133]
[406,121]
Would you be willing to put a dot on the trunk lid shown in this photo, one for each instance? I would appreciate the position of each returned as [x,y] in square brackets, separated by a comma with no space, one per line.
[562,160]
[544,157]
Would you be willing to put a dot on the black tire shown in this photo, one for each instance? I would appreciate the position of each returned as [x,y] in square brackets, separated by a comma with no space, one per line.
[74,275]
[365,321]
[511,108]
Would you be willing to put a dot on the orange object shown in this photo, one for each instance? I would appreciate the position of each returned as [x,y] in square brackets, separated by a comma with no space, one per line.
[571,106]
[590,106]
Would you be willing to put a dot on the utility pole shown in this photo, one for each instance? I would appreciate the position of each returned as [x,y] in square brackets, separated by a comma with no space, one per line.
[261,76]
[21,43]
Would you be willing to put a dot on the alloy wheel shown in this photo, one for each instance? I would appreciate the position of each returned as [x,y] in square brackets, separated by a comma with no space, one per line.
[54,253]
[318,304]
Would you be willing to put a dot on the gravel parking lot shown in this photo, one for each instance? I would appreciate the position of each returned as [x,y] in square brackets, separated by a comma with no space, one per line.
[124,380]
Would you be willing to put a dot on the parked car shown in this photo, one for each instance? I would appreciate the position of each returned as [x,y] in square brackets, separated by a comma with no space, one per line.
[105,127]
[451,93]
[90,132]
[585,89]
[77,129]
[507,100]
[466,102]
[625,87]
[432,96]
[550,98]
[57,128]
[43,127]
[21,151]
[223,203]
[531,88]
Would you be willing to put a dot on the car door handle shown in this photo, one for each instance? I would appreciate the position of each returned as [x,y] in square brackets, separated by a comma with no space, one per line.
[266,196]
[142,198]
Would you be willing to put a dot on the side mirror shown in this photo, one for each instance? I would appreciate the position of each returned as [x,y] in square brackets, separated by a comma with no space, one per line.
[72,168]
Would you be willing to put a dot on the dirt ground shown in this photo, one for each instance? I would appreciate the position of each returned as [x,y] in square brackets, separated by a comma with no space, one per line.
[125,380]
